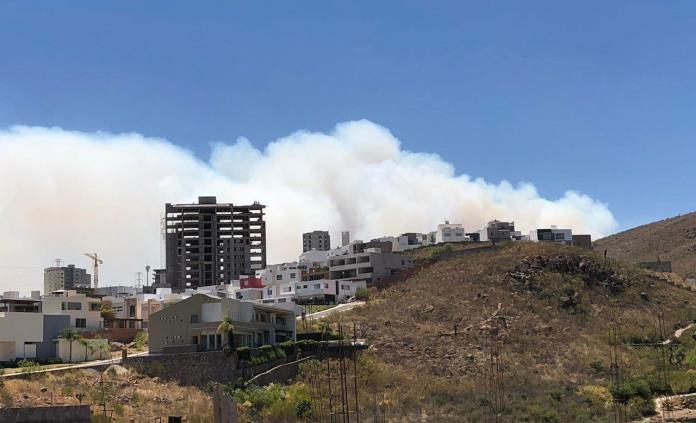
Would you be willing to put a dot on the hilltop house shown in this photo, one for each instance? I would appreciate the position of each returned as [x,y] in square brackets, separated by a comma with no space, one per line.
[191,325]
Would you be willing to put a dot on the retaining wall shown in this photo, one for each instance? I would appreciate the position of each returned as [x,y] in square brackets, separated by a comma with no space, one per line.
[196,369]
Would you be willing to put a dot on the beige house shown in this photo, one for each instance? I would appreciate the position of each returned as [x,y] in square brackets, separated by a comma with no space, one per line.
[191,325]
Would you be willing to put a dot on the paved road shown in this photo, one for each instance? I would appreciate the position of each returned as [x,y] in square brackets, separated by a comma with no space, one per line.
[84,365]
[329,311]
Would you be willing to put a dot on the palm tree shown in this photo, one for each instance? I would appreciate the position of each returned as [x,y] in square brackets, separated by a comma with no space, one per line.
[85,343]
[227,326]
[70,336]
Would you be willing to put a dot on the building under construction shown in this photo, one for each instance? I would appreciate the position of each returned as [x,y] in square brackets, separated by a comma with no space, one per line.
[210,243]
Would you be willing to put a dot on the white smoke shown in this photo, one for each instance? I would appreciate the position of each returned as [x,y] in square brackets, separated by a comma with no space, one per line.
[63,193]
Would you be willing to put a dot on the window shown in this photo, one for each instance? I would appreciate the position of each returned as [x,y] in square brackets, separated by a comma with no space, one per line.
[131,311]
[317,286]
[270,291]
[287,289]
[81,323]
[194,318]
[279,277]
[72,306]
[326,285]
[293,275]
[94,307]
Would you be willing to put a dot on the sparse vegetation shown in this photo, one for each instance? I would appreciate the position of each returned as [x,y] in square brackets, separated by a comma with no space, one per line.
[362,294]
[140,340]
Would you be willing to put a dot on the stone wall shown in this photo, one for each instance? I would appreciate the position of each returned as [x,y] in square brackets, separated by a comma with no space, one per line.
[278,374]
[60,414]
[196,369]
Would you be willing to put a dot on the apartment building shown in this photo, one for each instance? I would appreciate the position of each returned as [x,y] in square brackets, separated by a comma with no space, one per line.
[369,265]
[316,240]
[191,325]
[275,274]
[65,277]
[211,243]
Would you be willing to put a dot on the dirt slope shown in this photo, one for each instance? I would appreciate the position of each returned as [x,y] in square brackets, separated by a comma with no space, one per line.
[552,307]
[671,239]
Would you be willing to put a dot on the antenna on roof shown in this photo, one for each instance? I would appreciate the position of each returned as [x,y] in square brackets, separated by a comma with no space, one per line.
[58,262]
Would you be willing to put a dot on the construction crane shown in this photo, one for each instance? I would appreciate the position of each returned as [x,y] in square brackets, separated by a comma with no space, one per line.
[97,261]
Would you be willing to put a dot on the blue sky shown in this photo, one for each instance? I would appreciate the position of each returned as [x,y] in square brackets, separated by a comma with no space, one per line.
[597,97]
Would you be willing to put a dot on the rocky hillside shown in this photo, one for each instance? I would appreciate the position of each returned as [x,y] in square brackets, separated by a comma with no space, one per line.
[670,239]
[550,307]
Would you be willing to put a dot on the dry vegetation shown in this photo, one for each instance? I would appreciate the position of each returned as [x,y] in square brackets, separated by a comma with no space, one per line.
[556,304]
[128,396]
[671,239]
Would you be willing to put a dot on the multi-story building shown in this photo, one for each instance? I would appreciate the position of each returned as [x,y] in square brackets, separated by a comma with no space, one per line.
[65,277]
[84,311]
[369,265]
[500,231]
[450,232]
[276,274]
[191,325]
[345,238]
[26,332]
[212,243]
[552,234]
[316,240]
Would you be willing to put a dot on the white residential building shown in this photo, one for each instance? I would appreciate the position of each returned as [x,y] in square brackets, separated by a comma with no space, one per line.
[84,311]
[450,232]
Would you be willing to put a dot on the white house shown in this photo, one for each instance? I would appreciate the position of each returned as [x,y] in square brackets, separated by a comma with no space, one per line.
[84,311]
[450,232]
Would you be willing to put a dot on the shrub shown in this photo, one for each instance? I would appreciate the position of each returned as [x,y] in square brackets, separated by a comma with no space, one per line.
[244,353]
[140,340]
[288,347]
[362,294]
[640,407]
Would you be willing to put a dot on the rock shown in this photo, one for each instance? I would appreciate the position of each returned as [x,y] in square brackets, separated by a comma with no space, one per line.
[117,369]
[44,389]
[644,296]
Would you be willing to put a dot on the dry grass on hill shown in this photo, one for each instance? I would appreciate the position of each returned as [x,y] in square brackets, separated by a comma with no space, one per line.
[671,239]
[553,306]
[128,396]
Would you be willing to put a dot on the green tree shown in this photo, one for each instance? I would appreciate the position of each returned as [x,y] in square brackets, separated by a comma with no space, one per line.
[227,326]
[70,336]
[106,311]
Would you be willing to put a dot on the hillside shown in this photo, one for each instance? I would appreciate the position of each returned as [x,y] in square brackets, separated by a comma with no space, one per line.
[671,239]
[551,308]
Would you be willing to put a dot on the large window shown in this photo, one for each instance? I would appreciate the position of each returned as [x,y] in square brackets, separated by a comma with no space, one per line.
[94,306]
[72,306]
[81,323]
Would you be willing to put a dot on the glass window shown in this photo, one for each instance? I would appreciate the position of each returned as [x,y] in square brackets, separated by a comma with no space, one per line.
[81,323]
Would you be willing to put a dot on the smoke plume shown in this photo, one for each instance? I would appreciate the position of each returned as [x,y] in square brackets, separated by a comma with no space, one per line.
[65,193]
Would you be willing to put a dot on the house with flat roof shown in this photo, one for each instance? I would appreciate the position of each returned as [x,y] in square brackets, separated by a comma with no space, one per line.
[191,324]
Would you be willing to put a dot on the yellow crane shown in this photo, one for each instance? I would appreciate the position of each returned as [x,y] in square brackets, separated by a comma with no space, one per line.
[97,261]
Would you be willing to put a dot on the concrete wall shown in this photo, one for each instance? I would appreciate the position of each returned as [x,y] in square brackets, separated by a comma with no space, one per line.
[59,414]
[20,328]
[81,352]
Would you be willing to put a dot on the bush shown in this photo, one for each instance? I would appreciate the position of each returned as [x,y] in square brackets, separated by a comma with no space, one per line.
[288,347]
[628,388]
[244,353]
[640,407]
[362,294]
[140,340]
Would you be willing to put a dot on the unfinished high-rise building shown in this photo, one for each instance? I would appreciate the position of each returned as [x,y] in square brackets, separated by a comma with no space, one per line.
[211,244]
